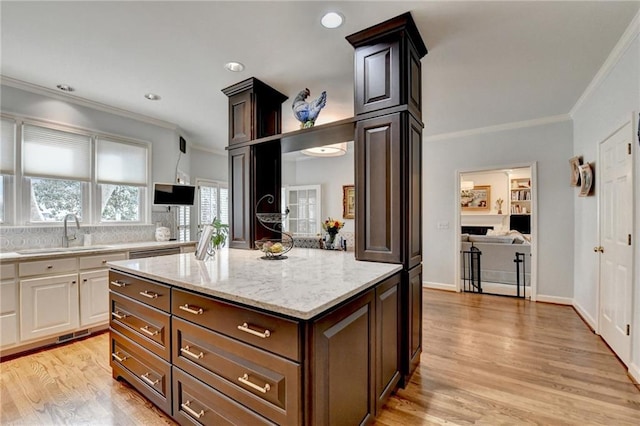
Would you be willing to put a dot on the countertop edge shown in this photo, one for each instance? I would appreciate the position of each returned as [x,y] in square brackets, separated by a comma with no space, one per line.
[301,315]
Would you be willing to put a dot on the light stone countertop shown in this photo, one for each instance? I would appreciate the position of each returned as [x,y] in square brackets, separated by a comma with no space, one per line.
[307,283]
[52,253]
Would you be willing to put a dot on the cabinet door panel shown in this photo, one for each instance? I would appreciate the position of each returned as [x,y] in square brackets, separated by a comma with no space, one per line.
[377,77]
[344,364]
[48,306]
[378,189]
[387,339]
[240,118]
[94,298]
[240,204]
[8,330]
[413,166]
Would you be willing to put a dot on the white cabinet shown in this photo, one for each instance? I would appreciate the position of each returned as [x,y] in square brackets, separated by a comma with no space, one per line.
[48,306]
[94,297]
[8,306]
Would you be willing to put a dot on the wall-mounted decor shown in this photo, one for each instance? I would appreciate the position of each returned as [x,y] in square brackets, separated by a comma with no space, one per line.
[348,201]
[586,180]
[478,198]
[575,163]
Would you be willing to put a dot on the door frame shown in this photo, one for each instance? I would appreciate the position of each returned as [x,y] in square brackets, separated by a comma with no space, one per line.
[533,166]
[620,123]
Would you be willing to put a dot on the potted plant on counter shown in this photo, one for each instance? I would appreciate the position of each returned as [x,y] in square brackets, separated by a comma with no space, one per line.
[218,236]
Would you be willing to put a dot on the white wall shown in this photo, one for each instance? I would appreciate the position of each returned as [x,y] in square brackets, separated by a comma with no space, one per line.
[550,145]
[165,141]
[612,101]
[209,165]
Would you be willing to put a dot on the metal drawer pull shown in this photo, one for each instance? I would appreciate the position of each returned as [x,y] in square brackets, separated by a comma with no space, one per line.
[49,266]
[245,327]
[119,283]
[119,315]
[146,330]
[245,379]
[117,358]
[150,295]
[104,261]
[186,350]
[146,378]
[185,407]
[186,307]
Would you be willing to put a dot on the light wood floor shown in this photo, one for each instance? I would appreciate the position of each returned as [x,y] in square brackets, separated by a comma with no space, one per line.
[487,360]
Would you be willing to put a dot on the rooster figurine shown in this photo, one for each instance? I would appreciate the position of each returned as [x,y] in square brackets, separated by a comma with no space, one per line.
[307,112]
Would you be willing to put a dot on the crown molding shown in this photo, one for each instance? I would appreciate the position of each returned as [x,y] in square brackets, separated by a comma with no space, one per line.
[45,91]
[499,128]
[629,35]
[208,149]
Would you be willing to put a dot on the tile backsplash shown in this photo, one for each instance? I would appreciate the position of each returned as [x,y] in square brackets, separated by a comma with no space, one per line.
[25,237]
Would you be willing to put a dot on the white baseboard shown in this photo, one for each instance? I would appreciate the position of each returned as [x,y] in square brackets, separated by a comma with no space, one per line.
[439,286]
[634,372]
[504,289]
[554,299]
[591,322]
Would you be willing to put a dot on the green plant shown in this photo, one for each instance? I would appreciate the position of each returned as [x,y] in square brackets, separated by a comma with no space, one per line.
[219,235]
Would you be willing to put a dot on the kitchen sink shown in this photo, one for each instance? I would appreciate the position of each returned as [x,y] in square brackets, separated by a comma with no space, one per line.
[59,249]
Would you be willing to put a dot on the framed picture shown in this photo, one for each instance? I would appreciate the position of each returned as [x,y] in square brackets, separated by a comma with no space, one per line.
[348,201]
[478,198]
[575,163]
[586,179]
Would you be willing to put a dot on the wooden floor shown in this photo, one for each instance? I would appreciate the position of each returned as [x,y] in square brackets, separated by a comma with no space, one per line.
[487,360]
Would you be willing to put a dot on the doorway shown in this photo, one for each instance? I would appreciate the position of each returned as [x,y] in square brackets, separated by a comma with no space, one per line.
[496,231]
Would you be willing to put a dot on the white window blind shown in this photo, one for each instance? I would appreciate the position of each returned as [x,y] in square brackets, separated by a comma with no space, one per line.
[7,146]
[121,163]
[214,202]
[50,153]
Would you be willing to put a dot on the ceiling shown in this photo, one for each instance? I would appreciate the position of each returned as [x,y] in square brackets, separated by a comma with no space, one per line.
[489,63]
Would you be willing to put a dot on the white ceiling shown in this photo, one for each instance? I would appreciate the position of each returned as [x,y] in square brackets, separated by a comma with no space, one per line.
[489,63]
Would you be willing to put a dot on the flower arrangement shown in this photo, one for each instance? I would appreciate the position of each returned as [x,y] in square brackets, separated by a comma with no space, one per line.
[332,226]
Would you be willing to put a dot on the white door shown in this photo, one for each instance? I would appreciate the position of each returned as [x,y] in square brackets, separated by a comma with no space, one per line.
[616,224]
[48,306]
[94,297]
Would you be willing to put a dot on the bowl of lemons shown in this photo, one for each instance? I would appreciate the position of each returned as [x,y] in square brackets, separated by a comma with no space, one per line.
[273,249]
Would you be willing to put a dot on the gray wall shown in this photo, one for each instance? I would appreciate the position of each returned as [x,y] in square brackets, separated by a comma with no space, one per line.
[606,107]
[550,145]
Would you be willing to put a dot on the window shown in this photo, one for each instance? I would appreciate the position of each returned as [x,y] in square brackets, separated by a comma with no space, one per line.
[52,199]
[304,204]
[121,174]
[55,166]
[7,166]
[184,223]
[213,202]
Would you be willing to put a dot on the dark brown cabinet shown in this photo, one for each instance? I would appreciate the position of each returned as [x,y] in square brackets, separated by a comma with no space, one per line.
[344,391]
[388,140]
[255,111]
[387,339]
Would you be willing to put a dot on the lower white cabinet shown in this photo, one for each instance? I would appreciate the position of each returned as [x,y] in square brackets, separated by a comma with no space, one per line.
[94,297]
[8,317]
[48,306]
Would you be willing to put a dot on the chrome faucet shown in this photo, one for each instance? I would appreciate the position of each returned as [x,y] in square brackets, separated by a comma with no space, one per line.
[65,237]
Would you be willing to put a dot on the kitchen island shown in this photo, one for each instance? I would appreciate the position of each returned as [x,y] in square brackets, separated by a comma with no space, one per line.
[311,339]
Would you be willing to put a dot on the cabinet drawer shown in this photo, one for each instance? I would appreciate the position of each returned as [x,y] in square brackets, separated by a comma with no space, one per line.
[8,296]
[7,271]
[54,266]
[154,294]
[196,403]
[100,261]
[265,331]
[148,373]
[144,325]
[266,383]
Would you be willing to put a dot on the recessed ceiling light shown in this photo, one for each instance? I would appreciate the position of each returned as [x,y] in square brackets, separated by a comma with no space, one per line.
[332,20]
[65,88]
[152,97]
[333,150]
[234,66]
